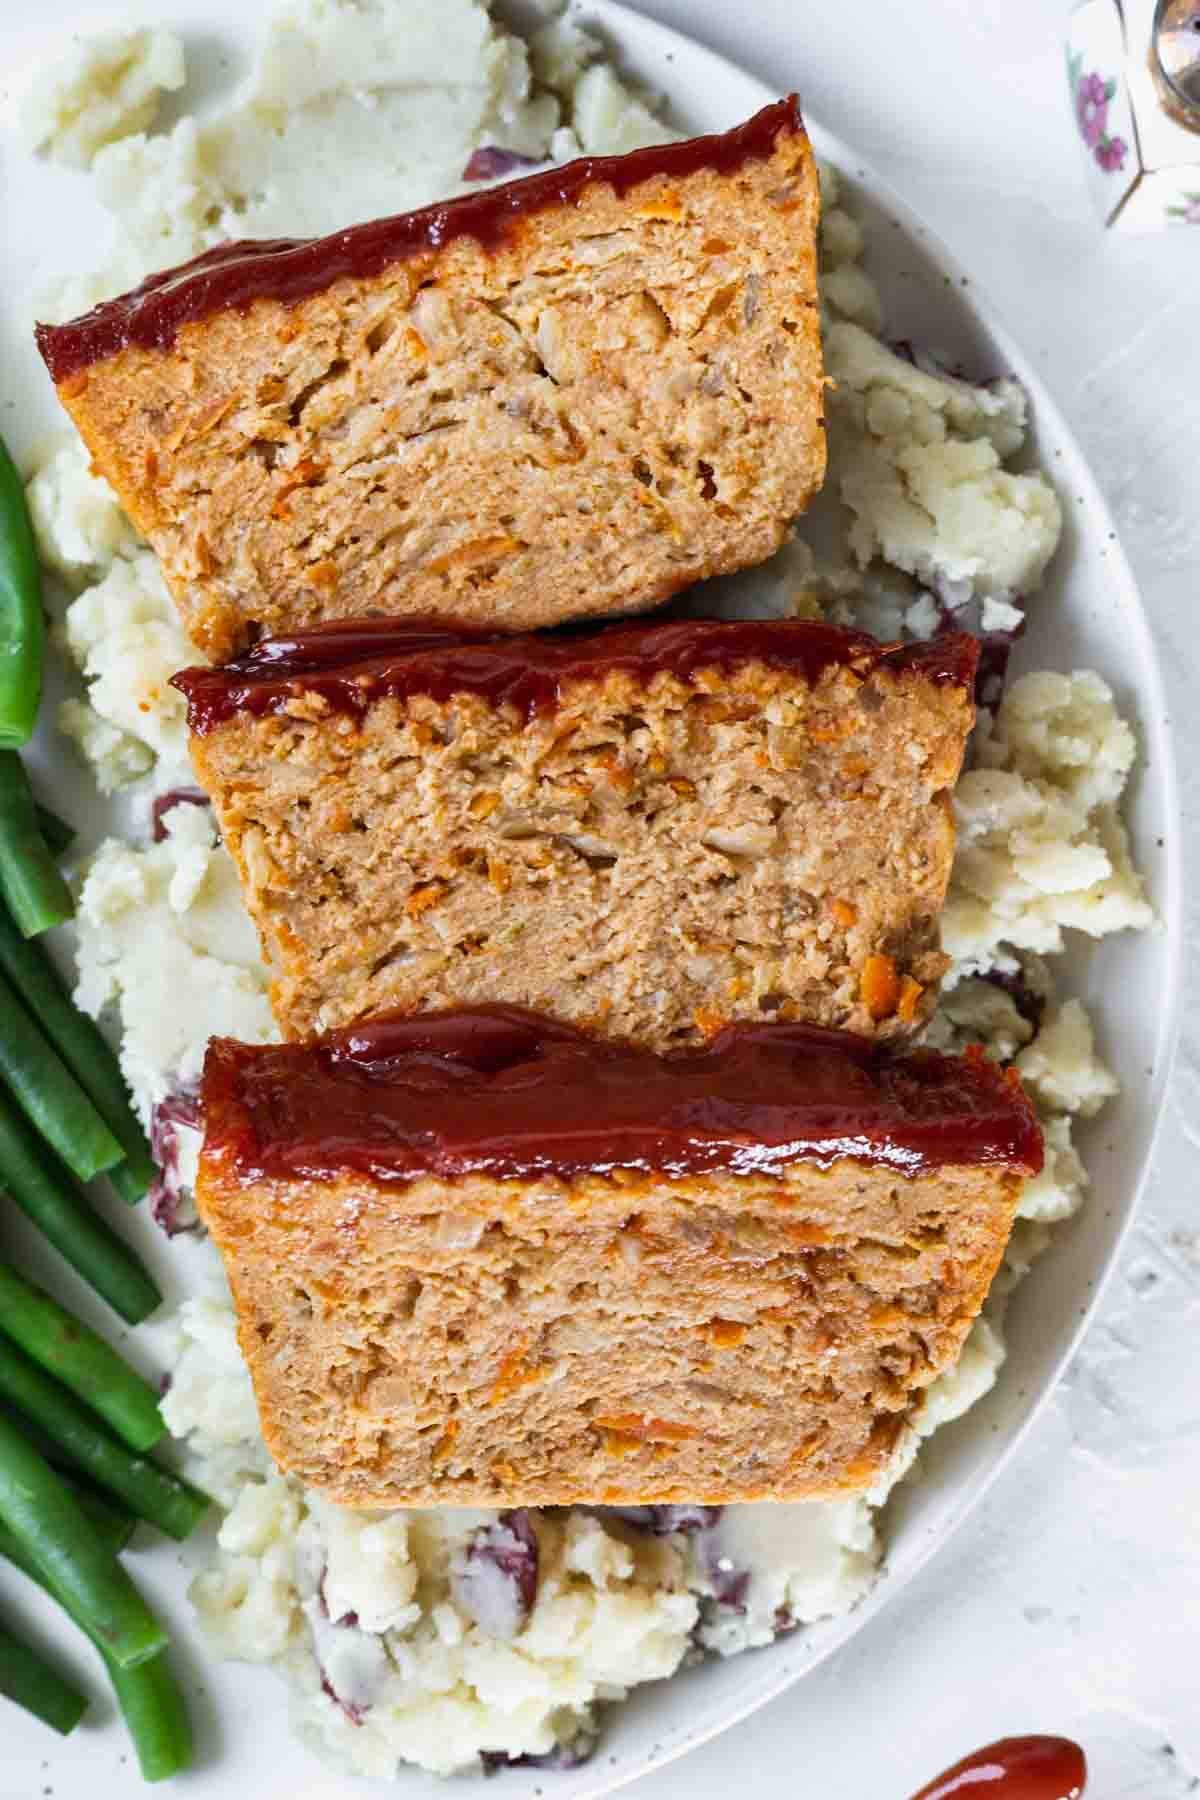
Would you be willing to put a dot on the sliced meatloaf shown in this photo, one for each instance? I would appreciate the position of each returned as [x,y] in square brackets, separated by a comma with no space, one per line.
[479,1258]
[573,394]
[650,828]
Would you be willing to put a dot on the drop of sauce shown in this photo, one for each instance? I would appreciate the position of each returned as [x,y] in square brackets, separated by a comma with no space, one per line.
[1017,1768]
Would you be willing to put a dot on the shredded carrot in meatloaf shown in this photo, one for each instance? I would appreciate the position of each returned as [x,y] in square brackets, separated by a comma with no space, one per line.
[910,994]
[422,898]
[880,986]
[644,1430]
[445,1444]
[514,1373]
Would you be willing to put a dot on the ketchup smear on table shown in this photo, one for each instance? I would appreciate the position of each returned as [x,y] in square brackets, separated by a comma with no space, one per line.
[1016,1768]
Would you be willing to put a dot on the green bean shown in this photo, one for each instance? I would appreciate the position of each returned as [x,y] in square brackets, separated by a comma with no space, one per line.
[148,1696]
[82,1361]
[14,1551]
[30,880]
[33,1684]
[43,1514]
[58,834]
[49,1095]
[156,1714]
[129,1185]
[85,1051]
[153,1493]
[41,1440]
[46,1196]
[114,1524]
[22,626]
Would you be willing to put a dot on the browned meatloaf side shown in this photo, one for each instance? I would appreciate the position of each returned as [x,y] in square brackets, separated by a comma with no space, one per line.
[481,1259]
[574,394]
[650,829]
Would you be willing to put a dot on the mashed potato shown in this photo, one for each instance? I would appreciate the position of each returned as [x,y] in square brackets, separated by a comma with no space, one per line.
[165,941]
[608,119]
[1056,1056]
[401,1637]
[107,87]
[77,521]
[916,453]
[918,460]
[1041,846]
[121,630]
[124,635]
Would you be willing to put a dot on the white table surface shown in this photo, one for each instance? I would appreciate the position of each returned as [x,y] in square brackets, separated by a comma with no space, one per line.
[1071,1601]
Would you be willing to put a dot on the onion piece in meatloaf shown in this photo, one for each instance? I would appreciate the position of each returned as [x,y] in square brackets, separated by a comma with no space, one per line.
[571,395]
[479,1258]
[650,829]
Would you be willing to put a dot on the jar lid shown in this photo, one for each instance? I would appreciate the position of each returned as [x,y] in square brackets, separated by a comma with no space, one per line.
[1175,54]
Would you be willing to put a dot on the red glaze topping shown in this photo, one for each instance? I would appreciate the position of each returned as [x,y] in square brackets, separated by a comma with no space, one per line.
[353,666]
[499,1091]
[290,269]
[1019,1768]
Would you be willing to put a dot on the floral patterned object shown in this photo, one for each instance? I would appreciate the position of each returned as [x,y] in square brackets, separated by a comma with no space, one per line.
[1092,94]
[1142,164]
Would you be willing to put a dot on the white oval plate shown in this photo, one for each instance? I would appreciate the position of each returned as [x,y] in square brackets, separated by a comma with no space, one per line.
[1089,616]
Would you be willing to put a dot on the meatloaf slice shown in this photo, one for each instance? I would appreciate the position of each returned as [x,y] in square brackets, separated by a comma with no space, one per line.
[479,1258]
[650,829]
[573,394]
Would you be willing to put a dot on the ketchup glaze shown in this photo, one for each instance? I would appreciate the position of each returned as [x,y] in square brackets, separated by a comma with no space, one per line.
[351,666]
[508,1093]
[1017,1768]
[288,270]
